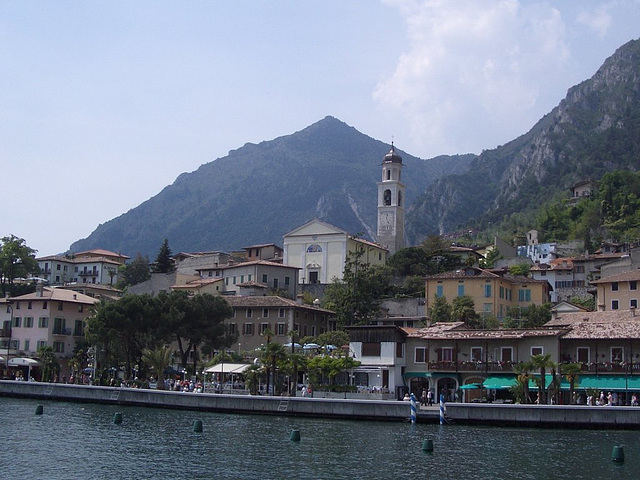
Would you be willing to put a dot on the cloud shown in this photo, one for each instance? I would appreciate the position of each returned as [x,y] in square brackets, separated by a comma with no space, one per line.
[472,72]
[598,19]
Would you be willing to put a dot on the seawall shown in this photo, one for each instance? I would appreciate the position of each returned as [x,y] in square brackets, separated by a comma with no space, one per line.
[542,416]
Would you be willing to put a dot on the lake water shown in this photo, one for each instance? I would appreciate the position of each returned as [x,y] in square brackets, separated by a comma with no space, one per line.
[81,441]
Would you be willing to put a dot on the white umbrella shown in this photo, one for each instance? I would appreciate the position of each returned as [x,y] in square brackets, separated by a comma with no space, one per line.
[295,345]
[310,346]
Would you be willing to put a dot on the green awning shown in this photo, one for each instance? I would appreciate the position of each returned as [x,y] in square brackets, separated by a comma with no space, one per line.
[606,382]
[470,386]
[416,375]
[499,382]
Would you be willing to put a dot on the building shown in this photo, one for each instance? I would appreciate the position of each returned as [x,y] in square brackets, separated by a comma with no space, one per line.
[92,266]
[391,195]
[254,315]
[320,250]
[618,292]
[257,277]
[493,292]
[49,317]
[268,251]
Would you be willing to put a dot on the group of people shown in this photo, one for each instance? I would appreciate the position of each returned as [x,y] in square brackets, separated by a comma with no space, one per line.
[610,399]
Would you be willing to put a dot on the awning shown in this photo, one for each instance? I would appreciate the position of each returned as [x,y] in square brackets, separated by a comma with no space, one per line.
[471,386]
[499,382]
[606,382]
[23,362]
[228,368]
[416,375]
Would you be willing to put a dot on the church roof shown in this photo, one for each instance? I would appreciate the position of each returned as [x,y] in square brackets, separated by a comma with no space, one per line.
[392,156]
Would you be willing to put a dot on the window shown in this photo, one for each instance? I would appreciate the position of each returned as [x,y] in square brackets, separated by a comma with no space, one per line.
[18,306]
[439,290]
[524,295]
[487,290]
[45,305]
[249,313]
[582,354]
[234,280]
[265,313]
[41,344]
[247,329]
[81,308]
[17,322]
[249,278]
[26,345]
[420,355]
[59,326]
[281,329]
[28,322]
[29,305]
[506,354]
[537,351]
[476,354]
[287,281]
[264,327]
[633,285]
[58,347]
[275,283]
[264,278]
[446,354]
[315,248]
[313,277]
[371,349]
[78,329]
[614,305]
[43,322]
[281,313]
[614,286]
[60,306]
[461,290]
[633,303]
[399,350]
[501,292]
[232,328]
[617,354]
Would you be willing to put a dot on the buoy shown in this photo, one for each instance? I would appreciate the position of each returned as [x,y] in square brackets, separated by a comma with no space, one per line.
[39,410]
[197,426]
[117,418]
[295,435]
[427,445]
[617,455]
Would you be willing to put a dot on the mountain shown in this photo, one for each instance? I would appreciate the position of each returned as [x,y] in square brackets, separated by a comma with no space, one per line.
[258,193]
[595,129]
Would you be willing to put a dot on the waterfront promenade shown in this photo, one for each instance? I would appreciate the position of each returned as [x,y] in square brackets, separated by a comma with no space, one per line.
[572,416]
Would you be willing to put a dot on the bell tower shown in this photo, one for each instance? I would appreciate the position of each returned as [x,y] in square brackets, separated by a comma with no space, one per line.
[391,203]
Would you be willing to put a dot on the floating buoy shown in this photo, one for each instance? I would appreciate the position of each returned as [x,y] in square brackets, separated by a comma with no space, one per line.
[197,426]
[117,418]
[617,455]
[39,410]
[295,435]
[427,445]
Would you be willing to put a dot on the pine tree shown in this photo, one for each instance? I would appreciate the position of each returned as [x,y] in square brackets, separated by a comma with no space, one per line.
[164,262]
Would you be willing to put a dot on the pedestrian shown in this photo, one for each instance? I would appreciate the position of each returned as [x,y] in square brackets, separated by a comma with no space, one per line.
[429,397]
[423,396]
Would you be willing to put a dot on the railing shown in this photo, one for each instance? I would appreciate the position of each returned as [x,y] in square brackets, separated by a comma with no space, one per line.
[620,367]
[61,331]
[471,366]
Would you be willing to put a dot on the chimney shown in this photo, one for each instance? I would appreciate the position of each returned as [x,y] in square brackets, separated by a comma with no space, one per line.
[554,314]
[39,289]
[300,299]
[75,297]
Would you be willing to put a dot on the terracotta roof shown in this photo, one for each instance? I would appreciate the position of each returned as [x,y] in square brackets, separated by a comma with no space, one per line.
[460,273]
[431,333]
[101,251]
[57,294]
[245,264]
[201,282]
[629,276]
[623,329]
[264,301]
[252,284]
[570,318]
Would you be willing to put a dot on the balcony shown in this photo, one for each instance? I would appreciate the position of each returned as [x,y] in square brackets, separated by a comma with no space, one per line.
[88,274]
[61,331]
[471,366]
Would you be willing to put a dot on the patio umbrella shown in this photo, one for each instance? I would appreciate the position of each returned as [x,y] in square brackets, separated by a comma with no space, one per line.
[310,346]
[295,345]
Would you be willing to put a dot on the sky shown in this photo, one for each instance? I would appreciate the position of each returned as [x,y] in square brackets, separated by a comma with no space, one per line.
[104,103]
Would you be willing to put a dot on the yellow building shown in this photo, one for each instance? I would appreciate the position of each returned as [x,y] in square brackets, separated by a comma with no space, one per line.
[492,292]
[618,292]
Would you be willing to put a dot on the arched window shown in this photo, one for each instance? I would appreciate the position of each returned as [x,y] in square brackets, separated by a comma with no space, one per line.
[315,248]
[400,198]
[387,197]
[389,174]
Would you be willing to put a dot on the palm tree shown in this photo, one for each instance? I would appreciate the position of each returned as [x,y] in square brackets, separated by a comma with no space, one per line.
[158,360]
[297,363]
[292,334]
[571,372]
[542,362]
[273,354]
[252,378]
[523,370]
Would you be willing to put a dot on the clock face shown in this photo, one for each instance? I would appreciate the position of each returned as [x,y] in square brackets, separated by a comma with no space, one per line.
[386,218]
